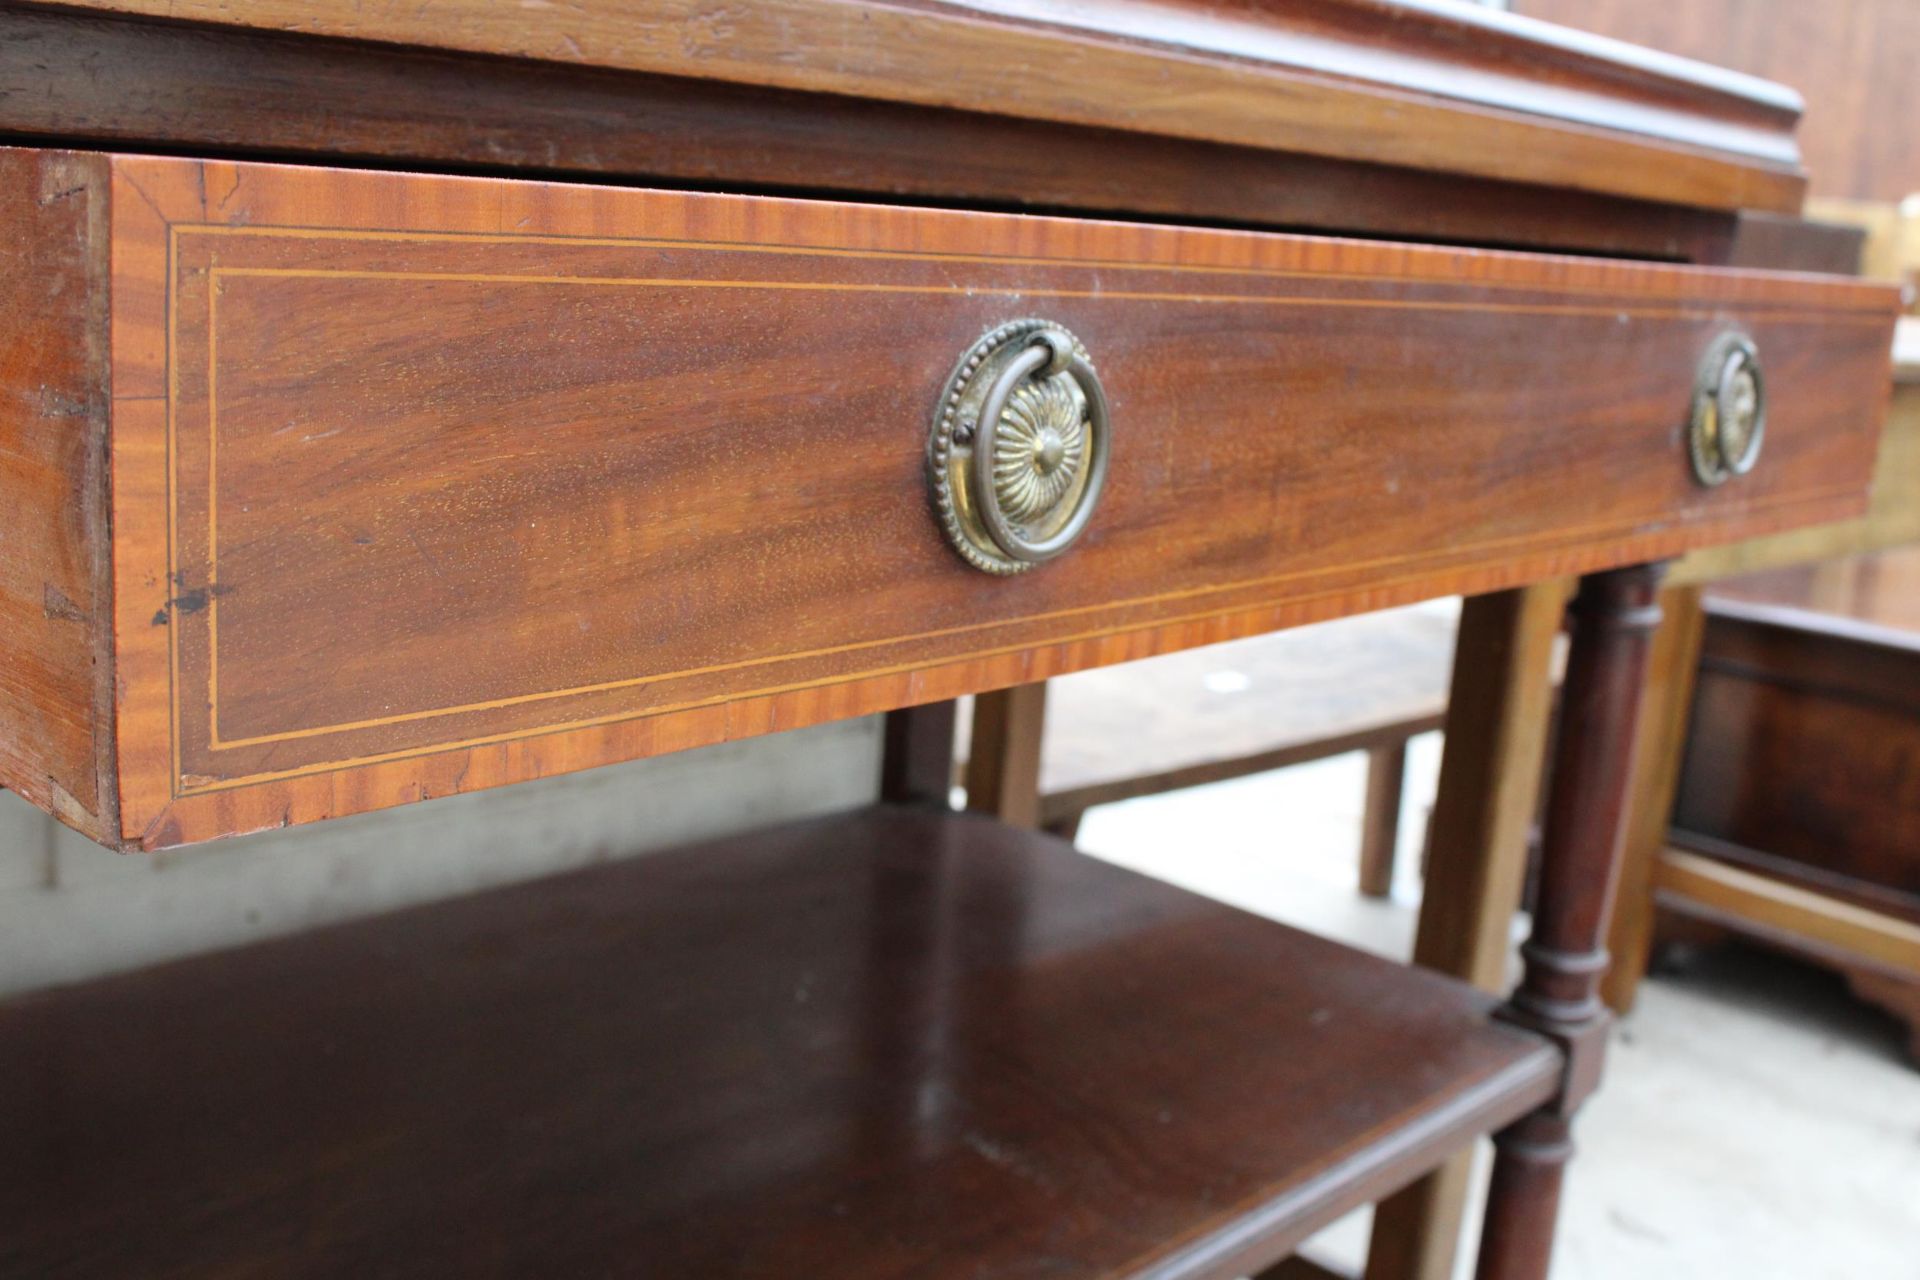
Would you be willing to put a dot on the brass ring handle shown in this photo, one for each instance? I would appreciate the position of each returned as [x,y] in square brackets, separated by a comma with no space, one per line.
[1728,423]
[1050,353]
[1018,455]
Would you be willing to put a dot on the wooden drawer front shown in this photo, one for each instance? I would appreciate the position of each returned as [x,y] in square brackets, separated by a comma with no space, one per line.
[423,484]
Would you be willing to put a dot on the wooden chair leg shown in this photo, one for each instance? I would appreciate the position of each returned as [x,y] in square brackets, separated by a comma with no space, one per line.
[1665,711]
[1898,996]
[1298,1268]
[1614,616]
[1380,820]
[1498,710]
[916,762]
[1067,827]
[1003,758]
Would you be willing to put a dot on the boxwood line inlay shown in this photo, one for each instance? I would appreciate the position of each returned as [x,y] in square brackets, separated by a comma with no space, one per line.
[1428,275]
[1573,537]
[216,274]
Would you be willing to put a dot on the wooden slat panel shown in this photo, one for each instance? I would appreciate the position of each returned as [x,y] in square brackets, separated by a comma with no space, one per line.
[506,474]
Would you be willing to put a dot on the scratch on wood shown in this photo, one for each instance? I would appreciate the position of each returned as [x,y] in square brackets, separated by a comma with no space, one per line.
[439,571]
[141,191]
[53,403]
[239,176]
[55,604]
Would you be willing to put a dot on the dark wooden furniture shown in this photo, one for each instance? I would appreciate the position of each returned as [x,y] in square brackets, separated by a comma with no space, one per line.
[1183,720]
[1480,847]
[772,555]
[1814,568]
[1797,814]
[370,437]
[837,1048]
[1852,59]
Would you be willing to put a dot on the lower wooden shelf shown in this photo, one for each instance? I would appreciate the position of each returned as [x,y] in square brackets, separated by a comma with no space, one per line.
[887,1044]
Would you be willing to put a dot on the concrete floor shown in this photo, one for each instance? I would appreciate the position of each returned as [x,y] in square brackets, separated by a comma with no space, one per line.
[1756,1122]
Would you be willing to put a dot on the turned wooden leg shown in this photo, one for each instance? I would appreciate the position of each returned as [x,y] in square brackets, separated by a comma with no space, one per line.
[1613,617]
[1523,1197]
[1380,820]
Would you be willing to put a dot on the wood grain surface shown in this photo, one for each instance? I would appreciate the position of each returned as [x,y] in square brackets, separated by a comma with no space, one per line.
[1892,518]
[882,1046]
[1790,914]
[237,92]
[56,690]
[1853,61]
[1803,756]
[1798,788]
[1876,590]
[1672,665]
[1499,708]
[1613,615]
[1453,89]
[1230,710]
[425,484]
[1797,799]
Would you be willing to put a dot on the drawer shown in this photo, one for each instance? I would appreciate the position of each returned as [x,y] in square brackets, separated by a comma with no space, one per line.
[338,489]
